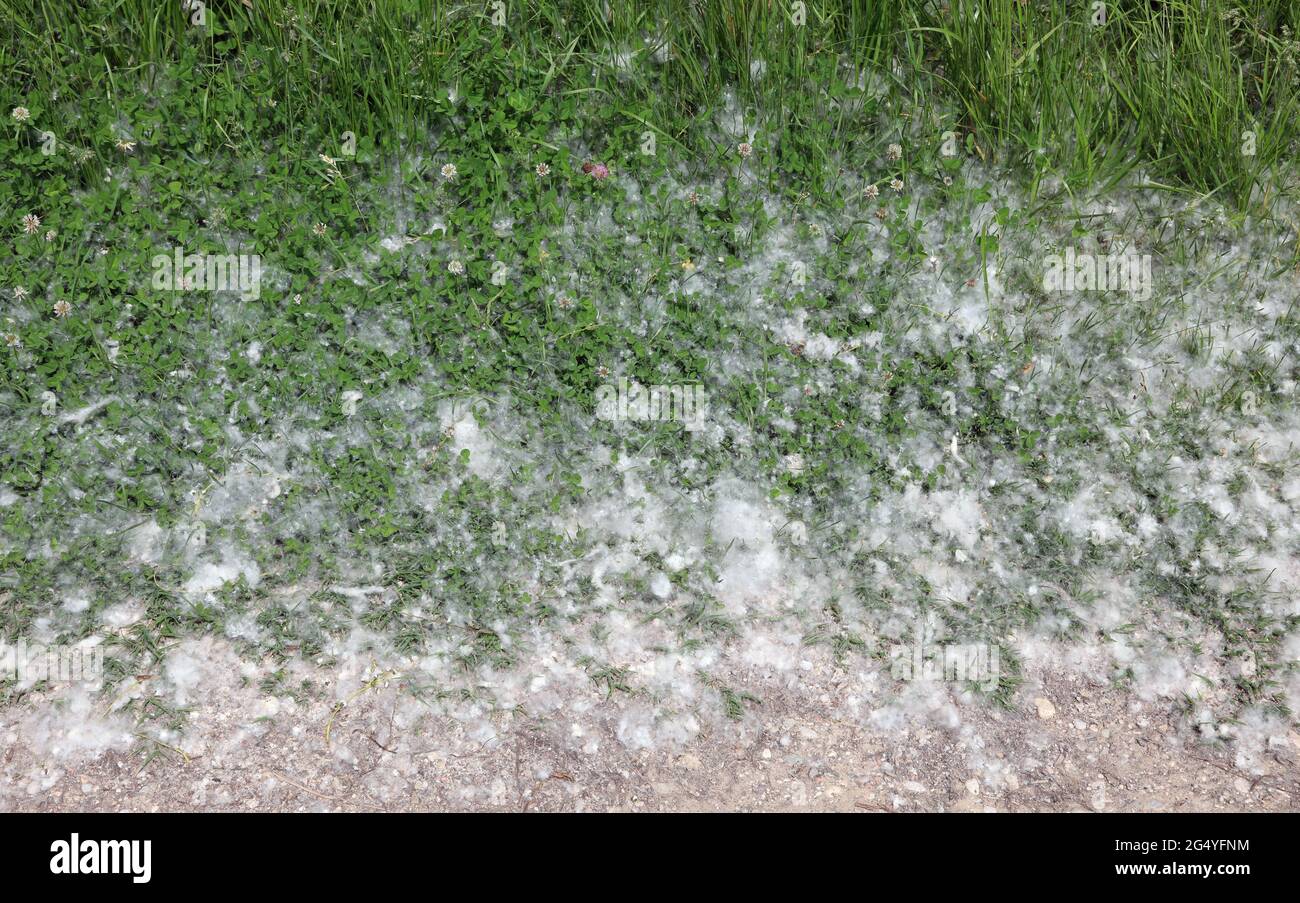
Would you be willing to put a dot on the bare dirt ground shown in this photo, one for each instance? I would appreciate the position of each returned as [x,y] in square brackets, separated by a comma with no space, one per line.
[1069,746]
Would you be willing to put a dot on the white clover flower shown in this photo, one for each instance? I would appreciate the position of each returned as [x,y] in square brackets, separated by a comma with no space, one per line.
[456,268]
[12,340]
[894,152]
[871,191]
[745,149]
[542,170]
[20,293]
[31,224]
[449,171]
[897,185]
[319,230]
[21,114]
[62,309]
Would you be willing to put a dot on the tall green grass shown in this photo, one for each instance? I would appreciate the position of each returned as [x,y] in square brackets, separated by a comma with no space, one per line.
[1175,86]
[1172,86]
